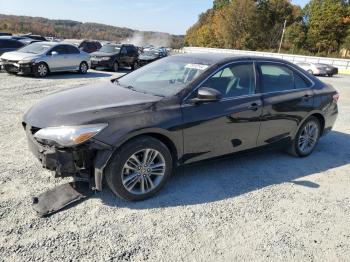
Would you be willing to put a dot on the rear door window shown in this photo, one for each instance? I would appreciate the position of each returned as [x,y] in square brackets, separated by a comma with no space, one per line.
[277,78]
[71,49]
[60,49]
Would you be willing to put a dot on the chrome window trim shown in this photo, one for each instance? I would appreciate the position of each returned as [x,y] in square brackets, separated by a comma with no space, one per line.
[254,62]
[291,68]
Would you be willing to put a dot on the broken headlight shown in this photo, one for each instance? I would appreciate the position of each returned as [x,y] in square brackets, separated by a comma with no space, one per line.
[68,136]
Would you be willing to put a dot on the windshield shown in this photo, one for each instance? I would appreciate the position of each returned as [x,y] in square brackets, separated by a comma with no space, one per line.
[35,48]
[110,49]
[165,77]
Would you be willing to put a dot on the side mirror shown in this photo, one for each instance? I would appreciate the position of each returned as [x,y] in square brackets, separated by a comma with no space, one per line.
[53,53]
[206,94]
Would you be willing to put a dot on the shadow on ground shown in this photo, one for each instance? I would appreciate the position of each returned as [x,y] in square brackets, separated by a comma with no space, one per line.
[74,75]
[234,176]
[231,177]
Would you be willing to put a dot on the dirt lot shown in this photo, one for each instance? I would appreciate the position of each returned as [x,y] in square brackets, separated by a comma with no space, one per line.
[265,206]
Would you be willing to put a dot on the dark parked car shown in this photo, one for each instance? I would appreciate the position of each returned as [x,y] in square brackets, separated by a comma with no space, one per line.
[330,70]
[114,56]
[181,109]
[150,56]
[88,46]
[7,44]
[5,34]
[38,38]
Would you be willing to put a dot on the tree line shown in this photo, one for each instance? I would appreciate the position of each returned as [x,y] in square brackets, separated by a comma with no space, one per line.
[320,28]
[73,29]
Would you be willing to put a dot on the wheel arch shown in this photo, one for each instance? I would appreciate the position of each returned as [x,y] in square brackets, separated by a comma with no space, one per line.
[318,114]
[43,62]
[103,157]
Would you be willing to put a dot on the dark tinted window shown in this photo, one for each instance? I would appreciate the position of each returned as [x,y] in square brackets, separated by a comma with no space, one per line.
[124,51]
[300,82]
[5,43]
[131,49]
[98,45]
[235,80]
[275,78]
[72,50]
[60,49]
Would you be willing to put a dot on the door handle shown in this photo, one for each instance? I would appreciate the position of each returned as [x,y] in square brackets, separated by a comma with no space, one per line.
[254,106]
[307,97]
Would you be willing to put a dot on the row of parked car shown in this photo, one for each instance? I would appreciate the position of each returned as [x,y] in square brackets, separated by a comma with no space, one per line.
[27,55]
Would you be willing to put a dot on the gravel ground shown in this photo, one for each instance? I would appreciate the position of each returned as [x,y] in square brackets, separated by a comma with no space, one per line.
[265,206]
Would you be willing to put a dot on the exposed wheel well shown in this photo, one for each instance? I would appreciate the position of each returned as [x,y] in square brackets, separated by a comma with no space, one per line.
[165,140]
[321,119]
[42,62]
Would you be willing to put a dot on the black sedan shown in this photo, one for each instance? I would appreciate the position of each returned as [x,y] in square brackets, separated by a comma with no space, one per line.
[137,129]
[150,56]
[330,70]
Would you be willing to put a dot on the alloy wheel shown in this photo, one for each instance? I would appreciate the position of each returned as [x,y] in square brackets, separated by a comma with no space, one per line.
[143,171]
[83,68]
[308,137]
[42,70]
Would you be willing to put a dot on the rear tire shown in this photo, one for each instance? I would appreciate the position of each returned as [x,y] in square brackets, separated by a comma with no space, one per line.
[41,70]
[139,169]
[306,139]
[115,67]
[135,66]
[83,68]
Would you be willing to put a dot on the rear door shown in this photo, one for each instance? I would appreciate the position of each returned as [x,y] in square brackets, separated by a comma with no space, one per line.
[73,58]
[228,125]
[287,97]
[124,56]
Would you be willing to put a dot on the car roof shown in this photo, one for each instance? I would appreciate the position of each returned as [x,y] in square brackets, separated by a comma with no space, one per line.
[218,58]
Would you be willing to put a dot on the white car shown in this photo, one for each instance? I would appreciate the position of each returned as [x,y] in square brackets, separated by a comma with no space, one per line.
[314,69]
[41,58]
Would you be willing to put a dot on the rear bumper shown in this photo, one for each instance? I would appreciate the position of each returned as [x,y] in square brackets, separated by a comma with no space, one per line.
[145,62]
[102,64]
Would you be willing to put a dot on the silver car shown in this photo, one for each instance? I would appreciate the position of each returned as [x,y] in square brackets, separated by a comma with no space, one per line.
[314,69]
[41,58]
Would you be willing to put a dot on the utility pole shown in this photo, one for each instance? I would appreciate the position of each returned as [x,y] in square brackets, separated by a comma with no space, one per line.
[284,30]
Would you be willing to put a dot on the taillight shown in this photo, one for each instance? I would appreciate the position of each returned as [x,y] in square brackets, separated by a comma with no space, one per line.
[335,98]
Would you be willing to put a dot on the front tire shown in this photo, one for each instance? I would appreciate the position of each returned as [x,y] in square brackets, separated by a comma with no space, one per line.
[307,138]
[83,68]
[139,169]
[41,70]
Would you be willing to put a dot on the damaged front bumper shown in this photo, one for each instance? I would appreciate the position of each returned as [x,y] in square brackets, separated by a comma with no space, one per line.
[15,67]
[85,162]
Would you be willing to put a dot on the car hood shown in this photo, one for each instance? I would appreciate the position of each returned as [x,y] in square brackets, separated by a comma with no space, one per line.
[87,105]
[102,54]
[16,56]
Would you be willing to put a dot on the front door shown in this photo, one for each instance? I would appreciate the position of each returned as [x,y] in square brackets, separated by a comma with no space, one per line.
[228,125]
[58,60]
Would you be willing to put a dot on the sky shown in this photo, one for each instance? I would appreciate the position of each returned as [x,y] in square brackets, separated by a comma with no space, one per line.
[152,15]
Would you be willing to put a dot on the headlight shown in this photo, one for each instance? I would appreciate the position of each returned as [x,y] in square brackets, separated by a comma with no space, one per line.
[105,58]
[67,136]
[26,61]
